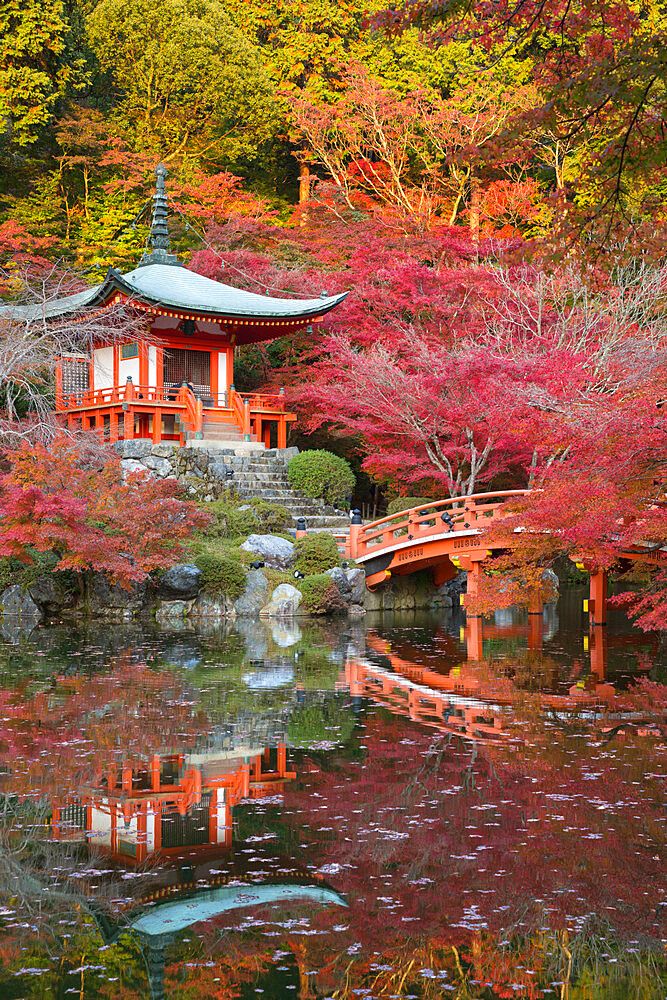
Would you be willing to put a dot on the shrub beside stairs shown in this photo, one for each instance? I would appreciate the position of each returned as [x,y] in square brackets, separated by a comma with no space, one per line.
[264,475]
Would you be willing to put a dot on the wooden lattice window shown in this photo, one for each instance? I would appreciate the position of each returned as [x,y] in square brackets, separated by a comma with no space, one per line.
[193,367]
[76,376]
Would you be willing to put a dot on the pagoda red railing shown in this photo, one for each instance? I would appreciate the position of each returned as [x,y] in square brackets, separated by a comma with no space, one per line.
[132,411]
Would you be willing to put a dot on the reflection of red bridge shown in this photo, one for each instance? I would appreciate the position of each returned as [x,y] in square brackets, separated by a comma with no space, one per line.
[448,535]
[170,802]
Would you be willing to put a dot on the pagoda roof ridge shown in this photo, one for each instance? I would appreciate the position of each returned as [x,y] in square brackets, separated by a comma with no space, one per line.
[177,288]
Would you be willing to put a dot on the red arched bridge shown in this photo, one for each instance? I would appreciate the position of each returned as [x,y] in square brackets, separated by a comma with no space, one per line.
[448,535]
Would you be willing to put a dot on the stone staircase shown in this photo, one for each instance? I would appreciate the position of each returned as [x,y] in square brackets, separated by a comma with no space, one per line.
[264,475]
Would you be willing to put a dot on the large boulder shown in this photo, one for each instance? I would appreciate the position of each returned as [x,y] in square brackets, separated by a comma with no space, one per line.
[172,612]
[213,609]
[180,582]
[357,581]
[277,552]
[284,603]
[111,599]
[253,599]
[160,466]
[164,449]
[46,593]
[17,604]
[129,465]
[339,577]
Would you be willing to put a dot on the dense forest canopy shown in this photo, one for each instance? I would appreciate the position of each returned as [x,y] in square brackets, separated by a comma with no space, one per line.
[525,117]
[487,179]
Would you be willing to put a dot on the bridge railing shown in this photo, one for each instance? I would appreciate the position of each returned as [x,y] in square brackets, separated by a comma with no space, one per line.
[440,516]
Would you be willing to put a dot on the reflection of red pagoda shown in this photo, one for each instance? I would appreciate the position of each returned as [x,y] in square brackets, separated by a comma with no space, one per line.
[170,802]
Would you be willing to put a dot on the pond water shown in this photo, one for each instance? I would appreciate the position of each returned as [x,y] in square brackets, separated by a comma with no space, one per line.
[398,806]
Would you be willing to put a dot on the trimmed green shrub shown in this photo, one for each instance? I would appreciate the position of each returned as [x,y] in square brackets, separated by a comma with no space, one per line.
[321,596]
[271,517]
[221,575]
[321,474]
[398,504]
[316,553]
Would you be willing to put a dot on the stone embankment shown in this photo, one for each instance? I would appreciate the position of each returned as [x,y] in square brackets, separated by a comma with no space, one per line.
[207,472]
[179,595]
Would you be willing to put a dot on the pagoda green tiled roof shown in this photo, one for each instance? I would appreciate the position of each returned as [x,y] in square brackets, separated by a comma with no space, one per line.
[172,287]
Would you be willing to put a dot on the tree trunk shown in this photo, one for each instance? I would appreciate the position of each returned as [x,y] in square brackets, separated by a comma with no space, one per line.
[474,205]
[304,191]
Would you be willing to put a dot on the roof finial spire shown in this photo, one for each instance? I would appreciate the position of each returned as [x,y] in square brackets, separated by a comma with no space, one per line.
[159,237]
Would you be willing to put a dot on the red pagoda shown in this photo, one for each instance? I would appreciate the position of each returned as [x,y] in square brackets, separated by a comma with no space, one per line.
[177,384]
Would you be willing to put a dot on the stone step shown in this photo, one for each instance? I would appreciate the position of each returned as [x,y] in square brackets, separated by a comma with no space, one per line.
[302,505]
[339,525]
[261,477]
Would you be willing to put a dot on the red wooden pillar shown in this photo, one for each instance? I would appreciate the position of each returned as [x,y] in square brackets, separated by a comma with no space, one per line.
[597,605]
[472,585]
[282,759]
[143,363]
[475,637]
[59,386]
[159,368]
[116,366]
[113,426]
[157,425]
[535,631]
[155,773]
[266,434]
[142,832]
[157,825]
[597,644]
[114,828]
[128,414]
[215,387]
[213,817]
[282,432]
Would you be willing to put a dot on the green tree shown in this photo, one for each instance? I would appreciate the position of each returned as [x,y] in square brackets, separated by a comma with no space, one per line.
[32,72]
[188,82]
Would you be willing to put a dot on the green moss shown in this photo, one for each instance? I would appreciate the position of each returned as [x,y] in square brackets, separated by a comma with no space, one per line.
[321,595]
[321,474]
[316,553]
[221,574]
[227,520]
[271,517]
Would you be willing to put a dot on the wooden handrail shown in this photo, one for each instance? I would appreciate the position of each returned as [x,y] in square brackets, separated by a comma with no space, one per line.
[240,410]
[416,516]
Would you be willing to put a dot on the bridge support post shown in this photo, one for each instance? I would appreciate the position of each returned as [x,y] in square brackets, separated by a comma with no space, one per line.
[597,603]
[475,638]
[356,526]
[535,631]
[473,580]
[597,645]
